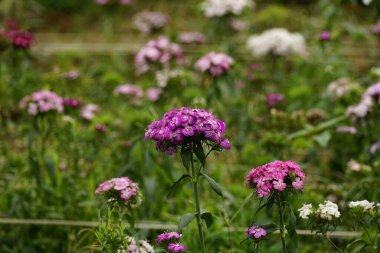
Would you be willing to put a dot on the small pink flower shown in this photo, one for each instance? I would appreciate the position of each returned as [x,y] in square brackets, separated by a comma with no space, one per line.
[256,232]
[154,94]
[214,63]
[325,35]
[176,248]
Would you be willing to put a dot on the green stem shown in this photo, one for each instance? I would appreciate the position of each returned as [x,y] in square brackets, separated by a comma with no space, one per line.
[332,243]
[282,225]
[197,206]
[364,225]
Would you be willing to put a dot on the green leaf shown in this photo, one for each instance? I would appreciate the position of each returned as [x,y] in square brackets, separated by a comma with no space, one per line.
[214,185]
[185,220]
[292,229]
[199,152]
[176,186]
[186,156]
[270,228]
[355,242]
[207,217]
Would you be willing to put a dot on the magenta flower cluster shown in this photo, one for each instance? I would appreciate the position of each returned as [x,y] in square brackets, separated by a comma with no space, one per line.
[159,52]
[272,99]
[168,237]
[42,101]
[256,232]
[121,2]
[176,248]
[325,35]
[120,189]
[170,241]
[214,63]
[13,34]
[183,125]
[275,176]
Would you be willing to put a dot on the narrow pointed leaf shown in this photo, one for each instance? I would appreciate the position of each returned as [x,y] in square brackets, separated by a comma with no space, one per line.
[214,185]
[185,220]
[176,186]
[207,217]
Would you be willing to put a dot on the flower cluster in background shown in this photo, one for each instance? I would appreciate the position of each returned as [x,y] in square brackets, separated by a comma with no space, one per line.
[182,125]
[135,93]
[341,87]
[157,52]
[369,98]
[275,176]
[88,111]
[140,246]
[191,38]
[272,99]
[170,240]
[15,36]
[149,21]
[219,8]
[121,190]
[42,101]
[277,41]
[121,2]
[214,63]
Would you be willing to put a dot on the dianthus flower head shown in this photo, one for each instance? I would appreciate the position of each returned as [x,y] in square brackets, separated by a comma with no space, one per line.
[272,99]
[328,211]
[305,211]
[363,205]
[276,177]
[159,52]
[184,125]
[88,111]
[41,102]
[121,190]
[256,232]
[214,63]
[168,237]
[176,248]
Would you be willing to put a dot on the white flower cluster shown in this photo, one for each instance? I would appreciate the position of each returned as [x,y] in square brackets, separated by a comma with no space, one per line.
[137,247]
[341,87]
[219,8]
[277,41]
[363,204]
[305,211]
[326,211]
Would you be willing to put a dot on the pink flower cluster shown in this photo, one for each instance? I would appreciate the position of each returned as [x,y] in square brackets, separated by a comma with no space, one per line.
[325,35]
[272,99]
[183,125]
[157,52]
[275,176]
[176,248]
[192,38]
[71,103]
[376,28]
[149,21]
[366,103]
[120,189]
[214,63]
[168,237]
[88,111]
[136,93]
[121,2]
[256,232]
[42,101]
[15,36]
